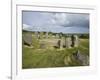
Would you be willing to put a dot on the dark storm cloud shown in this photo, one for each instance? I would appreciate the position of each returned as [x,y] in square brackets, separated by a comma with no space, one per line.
[69,19]
[55,21]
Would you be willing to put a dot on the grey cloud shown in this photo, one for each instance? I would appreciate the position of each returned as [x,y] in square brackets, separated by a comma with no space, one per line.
[70,19]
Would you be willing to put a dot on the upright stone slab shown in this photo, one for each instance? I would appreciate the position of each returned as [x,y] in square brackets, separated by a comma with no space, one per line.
[60,43]
[76,40]
[41,35]
[27,37]
[72,40]
[68,41]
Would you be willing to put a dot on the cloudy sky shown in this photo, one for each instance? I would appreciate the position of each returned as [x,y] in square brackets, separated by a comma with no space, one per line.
[52,20]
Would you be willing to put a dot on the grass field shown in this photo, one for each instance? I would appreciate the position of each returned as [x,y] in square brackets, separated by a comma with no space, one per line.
[44,58]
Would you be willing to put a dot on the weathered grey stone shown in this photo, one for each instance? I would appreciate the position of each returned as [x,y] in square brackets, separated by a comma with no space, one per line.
[27,38]
[68,42]
[36,34]
[61,44]
[72,41]
[76,40]
[84,59]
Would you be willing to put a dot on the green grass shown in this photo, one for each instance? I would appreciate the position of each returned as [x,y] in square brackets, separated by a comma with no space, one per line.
[44,58]
[84,46]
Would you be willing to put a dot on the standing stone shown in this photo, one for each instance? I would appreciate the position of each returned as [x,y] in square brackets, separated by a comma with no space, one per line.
[76,40]
[41,35]
[68,42]
[72,41]
[27,37]
[58,43]
[61,43]
[84,59]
